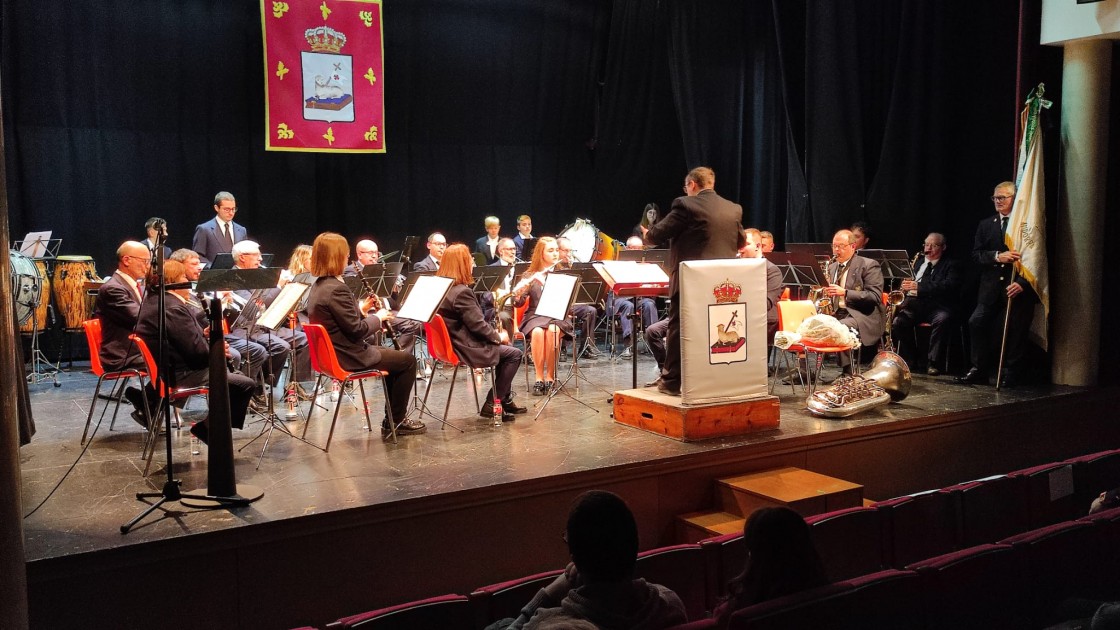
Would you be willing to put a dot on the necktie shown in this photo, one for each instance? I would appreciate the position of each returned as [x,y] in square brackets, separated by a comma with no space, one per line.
[1003,225]
[229,236]
[140,289]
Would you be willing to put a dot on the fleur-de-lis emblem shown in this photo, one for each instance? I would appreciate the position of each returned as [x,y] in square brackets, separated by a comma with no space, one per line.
[284,133]
[281,70]
[370,76]
[371,135]
[329,136]
[279,9]
[367,18]
[325,11]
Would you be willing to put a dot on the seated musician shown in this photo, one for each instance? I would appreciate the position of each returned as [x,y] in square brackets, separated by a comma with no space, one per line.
[476,342]
[543,332]
[282,341]
[752,248]
[931,299]
[349,325]
[406,330]
[507,256]
[587,314]
[188,352]
[624,307]
[437,243]
[117,308]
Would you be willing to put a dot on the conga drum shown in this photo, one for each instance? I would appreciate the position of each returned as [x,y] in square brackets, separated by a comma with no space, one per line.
[70,275]
[28,278]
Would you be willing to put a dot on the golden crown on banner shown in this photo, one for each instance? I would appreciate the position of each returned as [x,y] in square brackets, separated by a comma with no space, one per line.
[727,292]
[325,39]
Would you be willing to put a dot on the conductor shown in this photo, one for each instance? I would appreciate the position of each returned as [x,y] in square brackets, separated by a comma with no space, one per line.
[700,226]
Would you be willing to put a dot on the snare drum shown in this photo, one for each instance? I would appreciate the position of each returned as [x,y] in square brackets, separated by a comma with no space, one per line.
[70,275]
[588,243]
[27,288]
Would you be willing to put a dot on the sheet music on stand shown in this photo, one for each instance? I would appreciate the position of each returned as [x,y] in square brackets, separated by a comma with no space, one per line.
[38,245]
[558,295]
[659,257]
[527,248]
[237,279]
[410,282]
[250,312]
[406,249]
[895,264]
[224,260]
[277,313]
[632,273]
[424,298]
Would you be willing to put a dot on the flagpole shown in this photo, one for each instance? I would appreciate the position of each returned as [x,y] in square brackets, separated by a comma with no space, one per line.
[1003,337]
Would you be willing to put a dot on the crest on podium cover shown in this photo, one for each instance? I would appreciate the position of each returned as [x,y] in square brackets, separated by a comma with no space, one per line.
[727,341]
[324,86]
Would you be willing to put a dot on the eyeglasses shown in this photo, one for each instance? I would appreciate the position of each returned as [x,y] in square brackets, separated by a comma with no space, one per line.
[1001,198]
[146,261]
[507,249]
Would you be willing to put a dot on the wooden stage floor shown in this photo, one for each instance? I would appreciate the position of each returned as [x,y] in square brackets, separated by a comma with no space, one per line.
[478,482]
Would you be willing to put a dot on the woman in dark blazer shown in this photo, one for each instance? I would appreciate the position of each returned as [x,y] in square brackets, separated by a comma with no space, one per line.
[542,331]
[476,342]
[349,325]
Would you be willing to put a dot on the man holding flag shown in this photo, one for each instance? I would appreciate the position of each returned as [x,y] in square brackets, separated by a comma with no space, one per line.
[1011,251]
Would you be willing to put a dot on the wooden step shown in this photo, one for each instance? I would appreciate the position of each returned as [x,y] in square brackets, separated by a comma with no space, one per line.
[650,410]
[803,491]
[697,526]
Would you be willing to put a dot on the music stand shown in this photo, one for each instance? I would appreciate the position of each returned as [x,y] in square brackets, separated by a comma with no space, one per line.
[560,293]
[425,294]
[40,246]
[487,279]
[406,249]
[527,248]
[801,270]
[380,279]
[224,260]
[636,275]
[895,264]
[410,281]
[659,257]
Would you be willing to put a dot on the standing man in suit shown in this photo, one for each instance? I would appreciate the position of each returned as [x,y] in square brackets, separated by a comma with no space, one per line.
[931,298]
[857,291]
[524,234]
[153,236]
[990,252]
[701,225]
[437,244]
[488,245]
[752,248]
[219,234]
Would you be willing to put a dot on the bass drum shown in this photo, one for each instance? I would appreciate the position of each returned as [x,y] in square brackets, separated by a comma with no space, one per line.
[70,276]
[27,288]
[588,243]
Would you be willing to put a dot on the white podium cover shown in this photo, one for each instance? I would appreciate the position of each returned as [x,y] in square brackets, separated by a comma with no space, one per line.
[723,330]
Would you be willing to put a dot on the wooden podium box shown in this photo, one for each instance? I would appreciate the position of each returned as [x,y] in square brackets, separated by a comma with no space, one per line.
[652,411]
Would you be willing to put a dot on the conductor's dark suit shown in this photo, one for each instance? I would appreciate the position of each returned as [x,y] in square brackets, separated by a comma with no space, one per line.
[701,227]
[985,325]
[118,308]
[331,305]
[475,341]
[209,241]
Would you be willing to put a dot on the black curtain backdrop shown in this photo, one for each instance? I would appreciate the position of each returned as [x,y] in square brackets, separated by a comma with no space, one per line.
[814,115]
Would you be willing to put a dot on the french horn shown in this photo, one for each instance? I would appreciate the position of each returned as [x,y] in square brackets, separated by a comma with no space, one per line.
[888,379]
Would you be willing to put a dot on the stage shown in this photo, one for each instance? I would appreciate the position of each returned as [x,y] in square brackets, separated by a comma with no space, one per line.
[372,523]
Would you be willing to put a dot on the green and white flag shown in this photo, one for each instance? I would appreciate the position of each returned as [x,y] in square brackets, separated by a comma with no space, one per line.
[1026,226]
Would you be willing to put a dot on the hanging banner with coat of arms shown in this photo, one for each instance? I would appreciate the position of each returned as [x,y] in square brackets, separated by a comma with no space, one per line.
[324,88]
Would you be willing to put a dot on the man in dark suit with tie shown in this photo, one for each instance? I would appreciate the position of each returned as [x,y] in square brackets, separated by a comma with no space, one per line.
[700,226]
[990,252]
[488,245]
[856,288]
[218,235]
[931,298]
[437,244]
[118,308]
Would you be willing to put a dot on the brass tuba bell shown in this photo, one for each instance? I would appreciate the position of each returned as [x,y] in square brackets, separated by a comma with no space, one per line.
[888,379]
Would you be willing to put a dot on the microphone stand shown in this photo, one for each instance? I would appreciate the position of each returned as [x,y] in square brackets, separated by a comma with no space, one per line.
[238,496]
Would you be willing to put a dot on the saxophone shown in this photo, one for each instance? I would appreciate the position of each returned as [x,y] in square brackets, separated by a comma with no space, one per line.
[824,304]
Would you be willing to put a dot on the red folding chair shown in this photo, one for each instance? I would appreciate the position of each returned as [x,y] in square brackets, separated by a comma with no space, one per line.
[439,346]
[324,361]
[173,394]
[92,328]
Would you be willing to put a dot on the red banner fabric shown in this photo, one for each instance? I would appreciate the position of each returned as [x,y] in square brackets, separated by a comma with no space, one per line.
[324,83]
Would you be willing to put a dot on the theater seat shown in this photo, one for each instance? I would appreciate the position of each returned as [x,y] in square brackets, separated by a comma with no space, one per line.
[979,587]
[1093,474]
[680,568]
[918,526]
[848,541]
[1060,560]
[991,509]
[724,558]
[505,599]
[1050,494]
[820,607]
[449,612]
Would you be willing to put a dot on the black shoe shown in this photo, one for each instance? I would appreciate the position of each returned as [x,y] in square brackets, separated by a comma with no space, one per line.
[590,352]
[538,388]
[974,377]
[548,387]
[1008,381]
[408,427]
[654,383]
[201,431]
[136,398]
[933,371]
[511,407]
[487,411]
[665,388]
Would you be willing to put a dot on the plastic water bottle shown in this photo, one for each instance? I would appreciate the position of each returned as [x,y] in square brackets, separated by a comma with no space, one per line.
[334,391]
[497,409]
[195,448]
[290,398]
